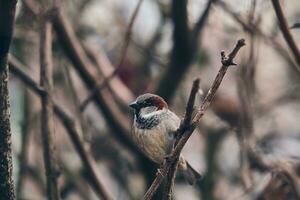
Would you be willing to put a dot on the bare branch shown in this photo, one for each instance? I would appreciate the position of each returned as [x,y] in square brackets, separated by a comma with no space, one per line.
[186,132]
[127,37]
[185,43]
[116,119]
[46,112]
[70,126]
[185,123]
[286,31]
[254,29]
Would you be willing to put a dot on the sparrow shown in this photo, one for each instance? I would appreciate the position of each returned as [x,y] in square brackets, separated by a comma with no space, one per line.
[154,128]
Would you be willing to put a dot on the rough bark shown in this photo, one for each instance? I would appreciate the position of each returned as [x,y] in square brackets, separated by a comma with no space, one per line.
[7,13]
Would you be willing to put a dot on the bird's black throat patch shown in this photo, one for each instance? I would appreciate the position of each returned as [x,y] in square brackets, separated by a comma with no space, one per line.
[146,123]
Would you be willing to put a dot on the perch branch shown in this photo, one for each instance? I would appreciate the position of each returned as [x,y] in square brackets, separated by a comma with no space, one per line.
[186,132]
[185,123]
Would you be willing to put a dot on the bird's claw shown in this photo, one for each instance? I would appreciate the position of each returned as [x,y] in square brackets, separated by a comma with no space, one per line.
[158,172]
[168,158]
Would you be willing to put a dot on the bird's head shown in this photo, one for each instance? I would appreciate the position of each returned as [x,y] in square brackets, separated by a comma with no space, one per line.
[148,103]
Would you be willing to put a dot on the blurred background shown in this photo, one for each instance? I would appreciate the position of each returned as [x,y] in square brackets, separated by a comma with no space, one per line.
[247,145]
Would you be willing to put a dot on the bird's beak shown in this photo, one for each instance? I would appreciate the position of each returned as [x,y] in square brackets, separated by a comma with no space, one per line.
[133,105]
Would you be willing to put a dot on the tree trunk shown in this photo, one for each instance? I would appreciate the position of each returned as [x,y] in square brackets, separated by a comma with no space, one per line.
[7,13]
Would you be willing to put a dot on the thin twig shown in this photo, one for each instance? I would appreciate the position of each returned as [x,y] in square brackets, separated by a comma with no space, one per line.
[47,110]
[69,124]
[126,42]
[83,122]
[116,119]
[187,131]
[280,50]
[286,31]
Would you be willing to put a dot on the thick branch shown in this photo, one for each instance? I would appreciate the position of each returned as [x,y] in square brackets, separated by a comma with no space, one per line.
[187,131]
[69,124]
[185,44]
[286,31]
[7,14]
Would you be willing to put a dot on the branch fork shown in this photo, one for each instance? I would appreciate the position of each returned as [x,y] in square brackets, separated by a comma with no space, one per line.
[189,124]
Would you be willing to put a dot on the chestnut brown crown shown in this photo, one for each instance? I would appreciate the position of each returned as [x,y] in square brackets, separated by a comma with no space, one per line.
[147,100]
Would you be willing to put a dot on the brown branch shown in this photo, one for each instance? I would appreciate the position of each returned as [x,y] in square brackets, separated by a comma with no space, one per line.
[69,124]
[286,31]
[117,121]
[126,42]
[283,169]
[26,135]
[120,92]
[7,15]
[186,132]
[47,110]
[83,121]
[103,99]
[185,43]
[254,29]
[185,123]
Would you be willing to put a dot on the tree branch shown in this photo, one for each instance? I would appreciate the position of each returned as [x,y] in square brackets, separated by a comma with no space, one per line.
[185,44]
[126,42]
[186,132]
[185,123]
[69,124]
[286,31]
[46,112]
[254,29]
[117,121]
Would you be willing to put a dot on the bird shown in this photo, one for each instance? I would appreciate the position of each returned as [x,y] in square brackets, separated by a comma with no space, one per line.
[153,130]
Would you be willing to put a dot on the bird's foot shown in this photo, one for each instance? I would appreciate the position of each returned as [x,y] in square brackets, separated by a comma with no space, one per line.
[158,172]
[168,158]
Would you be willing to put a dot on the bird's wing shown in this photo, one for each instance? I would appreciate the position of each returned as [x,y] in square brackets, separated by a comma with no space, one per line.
[173,125]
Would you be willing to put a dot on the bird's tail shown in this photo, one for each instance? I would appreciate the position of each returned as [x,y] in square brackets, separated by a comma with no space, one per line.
[189,173]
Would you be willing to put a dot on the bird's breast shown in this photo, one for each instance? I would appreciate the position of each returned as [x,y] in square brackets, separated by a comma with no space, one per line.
[153,142]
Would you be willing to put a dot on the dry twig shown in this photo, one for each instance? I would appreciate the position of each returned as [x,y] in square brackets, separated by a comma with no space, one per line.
[186,130]
[70,125]
[185,123]
[105,81]
[286,31]
[255,29]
